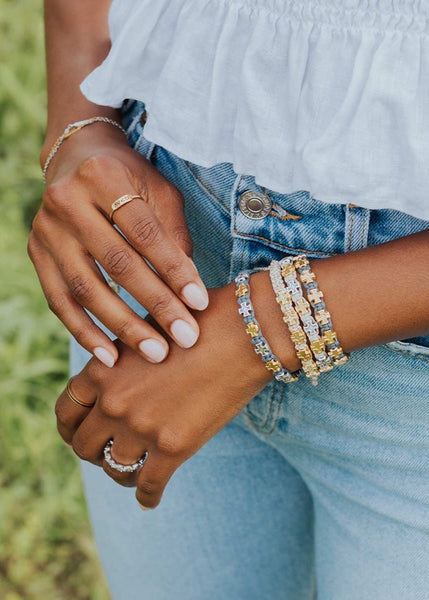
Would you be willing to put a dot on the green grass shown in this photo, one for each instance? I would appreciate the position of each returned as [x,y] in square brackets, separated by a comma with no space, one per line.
[46,545]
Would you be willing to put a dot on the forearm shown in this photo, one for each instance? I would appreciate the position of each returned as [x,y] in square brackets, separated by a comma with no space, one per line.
[375,295]
[76,40]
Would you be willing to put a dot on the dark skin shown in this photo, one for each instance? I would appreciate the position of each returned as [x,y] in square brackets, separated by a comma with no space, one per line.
[172,408]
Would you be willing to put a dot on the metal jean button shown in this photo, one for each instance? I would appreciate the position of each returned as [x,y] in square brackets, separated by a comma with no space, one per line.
[255,205]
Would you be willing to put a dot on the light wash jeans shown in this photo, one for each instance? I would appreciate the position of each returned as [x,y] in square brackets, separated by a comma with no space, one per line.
[309,488]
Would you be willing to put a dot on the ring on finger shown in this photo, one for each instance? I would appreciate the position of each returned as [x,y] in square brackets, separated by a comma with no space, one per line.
[73,397]
[121,202]
[120,467]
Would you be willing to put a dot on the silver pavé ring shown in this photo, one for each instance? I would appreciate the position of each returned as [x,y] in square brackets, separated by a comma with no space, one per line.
[117,466]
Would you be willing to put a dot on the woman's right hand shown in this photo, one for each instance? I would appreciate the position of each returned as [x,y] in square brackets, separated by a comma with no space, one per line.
[72,230]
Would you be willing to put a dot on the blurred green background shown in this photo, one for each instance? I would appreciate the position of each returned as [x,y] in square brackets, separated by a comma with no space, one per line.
[46,545]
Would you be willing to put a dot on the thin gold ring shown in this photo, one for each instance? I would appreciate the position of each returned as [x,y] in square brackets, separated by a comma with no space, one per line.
[73,397]
[121,202]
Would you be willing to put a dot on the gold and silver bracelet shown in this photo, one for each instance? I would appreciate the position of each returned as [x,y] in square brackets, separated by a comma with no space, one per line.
[321,314]
[291,317]
[303,308]
[253,329]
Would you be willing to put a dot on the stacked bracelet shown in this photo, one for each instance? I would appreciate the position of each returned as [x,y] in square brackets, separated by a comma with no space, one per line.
[291,317]
[321,314]
[261,346]
[303,308]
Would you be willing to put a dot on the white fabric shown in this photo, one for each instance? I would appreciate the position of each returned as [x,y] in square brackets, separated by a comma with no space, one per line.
[329,96]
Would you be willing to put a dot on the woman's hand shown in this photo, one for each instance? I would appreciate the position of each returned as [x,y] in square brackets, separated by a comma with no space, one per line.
[72,230]
[170,409]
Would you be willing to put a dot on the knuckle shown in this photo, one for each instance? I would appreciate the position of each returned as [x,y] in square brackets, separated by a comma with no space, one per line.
[40,223]
[96,371]
[149,488]
[112,407]
[61,413]
[170,444]
[80,448]
[56,303]
[173,270]
[118,261]
[181,234]
[124,328]
[146,231]
[160,304]
[95,167]
[56,198]
[32,247]
[81,288]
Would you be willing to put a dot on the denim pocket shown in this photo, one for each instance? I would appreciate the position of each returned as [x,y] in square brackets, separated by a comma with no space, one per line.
[408,348]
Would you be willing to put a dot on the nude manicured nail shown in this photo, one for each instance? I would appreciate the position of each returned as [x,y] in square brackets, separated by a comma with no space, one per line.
[143,507]
[105,356]
[196,296]
[153,349]
[184,334]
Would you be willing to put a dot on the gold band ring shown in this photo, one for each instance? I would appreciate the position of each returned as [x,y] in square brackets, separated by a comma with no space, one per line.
[121,202]
[73,397]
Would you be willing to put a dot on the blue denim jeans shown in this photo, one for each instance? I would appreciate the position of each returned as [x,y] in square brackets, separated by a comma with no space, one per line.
[309,488]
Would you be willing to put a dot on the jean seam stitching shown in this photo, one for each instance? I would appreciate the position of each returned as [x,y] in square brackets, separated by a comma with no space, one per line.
[259,237]
[405,353]
[203,186]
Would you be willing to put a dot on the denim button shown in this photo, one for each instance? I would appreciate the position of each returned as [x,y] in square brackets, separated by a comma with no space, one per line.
[255,205]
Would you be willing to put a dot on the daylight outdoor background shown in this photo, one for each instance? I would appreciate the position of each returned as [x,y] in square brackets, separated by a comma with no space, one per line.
[46,547]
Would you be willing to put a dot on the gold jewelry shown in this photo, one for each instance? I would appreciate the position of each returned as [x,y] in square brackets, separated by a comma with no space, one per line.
[122,201]
[70,130]
[321,313]
[292,320]
[73,397]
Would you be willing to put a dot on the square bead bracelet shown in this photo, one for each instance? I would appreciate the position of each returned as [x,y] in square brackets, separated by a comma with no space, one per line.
[291,318]
[321,314]
[253,329]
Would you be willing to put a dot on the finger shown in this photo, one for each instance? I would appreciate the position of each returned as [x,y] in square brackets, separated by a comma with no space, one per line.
[127,449]
[89,289]
[130,271]
[161,248]
[65,307]
[153,477]
[70,414]
[91,436]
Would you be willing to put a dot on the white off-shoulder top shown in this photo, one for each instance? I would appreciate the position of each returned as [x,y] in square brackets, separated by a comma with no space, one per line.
[329,96]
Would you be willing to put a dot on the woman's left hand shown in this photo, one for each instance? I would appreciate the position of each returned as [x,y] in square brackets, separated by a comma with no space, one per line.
[170,409]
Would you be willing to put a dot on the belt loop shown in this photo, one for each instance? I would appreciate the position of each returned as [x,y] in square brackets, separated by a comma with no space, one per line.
[356,227]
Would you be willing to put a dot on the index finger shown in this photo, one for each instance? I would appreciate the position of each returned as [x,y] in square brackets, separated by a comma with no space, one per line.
[164,250]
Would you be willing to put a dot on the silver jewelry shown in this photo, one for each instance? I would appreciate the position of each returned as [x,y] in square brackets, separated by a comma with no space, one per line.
[118,466]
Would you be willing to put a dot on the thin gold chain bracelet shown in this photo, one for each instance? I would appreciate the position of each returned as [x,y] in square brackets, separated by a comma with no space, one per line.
[70,130]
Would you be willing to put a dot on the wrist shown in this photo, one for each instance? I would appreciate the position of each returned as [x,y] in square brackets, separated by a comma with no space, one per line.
[83,143]
[222,322]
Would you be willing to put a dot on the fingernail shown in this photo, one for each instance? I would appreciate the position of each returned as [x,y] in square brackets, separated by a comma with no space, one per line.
[185,335]
[153,349]
[105,356]
[143,507]
[196,296]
